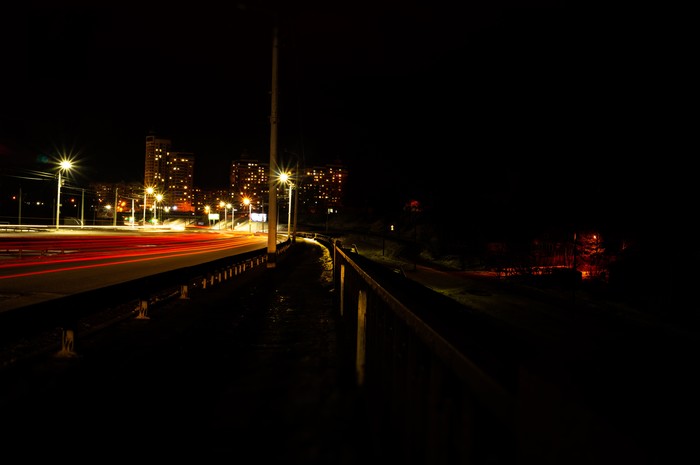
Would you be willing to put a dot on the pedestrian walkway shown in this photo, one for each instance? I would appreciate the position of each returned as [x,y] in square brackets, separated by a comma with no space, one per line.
[249,369]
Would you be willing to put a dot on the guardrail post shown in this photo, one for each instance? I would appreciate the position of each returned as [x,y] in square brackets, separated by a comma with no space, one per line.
[361,338]
[183,292]
[143,310]
[67,344]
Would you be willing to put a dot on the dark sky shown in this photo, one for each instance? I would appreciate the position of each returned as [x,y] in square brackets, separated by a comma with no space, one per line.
[530,102]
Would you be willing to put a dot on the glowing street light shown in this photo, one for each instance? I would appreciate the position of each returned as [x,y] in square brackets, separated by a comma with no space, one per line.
[221,205]
[146,193]
[286,178]
[207,209]
[64,165]
[157,198]
[228,205]
[246,201]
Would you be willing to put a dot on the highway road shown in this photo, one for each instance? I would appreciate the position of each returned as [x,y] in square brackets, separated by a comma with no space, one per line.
[36,267]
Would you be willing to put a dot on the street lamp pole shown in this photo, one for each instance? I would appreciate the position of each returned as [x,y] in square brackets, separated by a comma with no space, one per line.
[286,178]
[247,201]
[58,199]
[289,212]
[156,199]
[223,205]
[63,165]
[149,190]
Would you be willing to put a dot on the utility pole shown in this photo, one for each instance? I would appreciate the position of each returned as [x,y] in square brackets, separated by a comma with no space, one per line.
[116,199]
[296,206]
[574,276]
[272,177]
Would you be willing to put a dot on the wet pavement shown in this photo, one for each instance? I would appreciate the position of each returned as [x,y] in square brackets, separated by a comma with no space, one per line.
[248,370]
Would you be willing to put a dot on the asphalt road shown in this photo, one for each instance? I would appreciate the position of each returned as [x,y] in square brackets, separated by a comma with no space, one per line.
[34,279]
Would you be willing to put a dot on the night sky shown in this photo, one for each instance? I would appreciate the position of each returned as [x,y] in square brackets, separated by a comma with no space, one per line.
[532,107]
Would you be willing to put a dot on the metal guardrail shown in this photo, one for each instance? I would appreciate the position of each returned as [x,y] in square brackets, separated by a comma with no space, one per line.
[426,394]
[445,384]
[65,314]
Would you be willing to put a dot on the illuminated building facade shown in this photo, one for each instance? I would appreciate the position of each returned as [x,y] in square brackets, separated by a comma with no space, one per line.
[155,172]
[178,193]
[321,188]
[249,178]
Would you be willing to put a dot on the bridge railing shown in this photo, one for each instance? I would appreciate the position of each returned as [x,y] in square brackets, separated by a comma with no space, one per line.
[65,314]
[431,398]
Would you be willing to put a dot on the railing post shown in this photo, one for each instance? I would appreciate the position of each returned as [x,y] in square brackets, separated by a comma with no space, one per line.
[143,310]
[183,292]
[67,344]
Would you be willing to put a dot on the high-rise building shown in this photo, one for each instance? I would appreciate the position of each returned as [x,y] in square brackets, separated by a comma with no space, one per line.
[179,192]
[170,174]
[321,188]
[249,179]
[155,170]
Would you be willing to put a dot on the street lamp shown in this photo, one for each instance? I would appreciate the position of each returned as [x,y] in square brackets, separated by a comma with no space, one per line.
[286,178]
[146,193]
[225,206]
[289,212]
[228,205]
[246,201]
[64,165]
[157,198]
